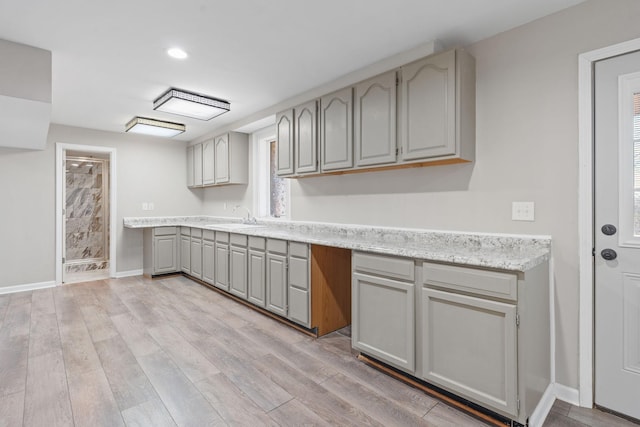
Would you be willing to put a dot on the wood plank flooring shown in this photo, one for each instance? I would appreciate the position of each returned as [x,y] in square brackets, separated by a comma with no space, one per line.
[171,352]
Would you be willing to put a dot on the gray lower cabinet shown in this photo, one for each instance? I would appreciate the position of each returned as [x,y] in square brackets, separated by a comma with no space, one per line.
[222,260]
[238,265]
[196,253]
[256,271]
[160,249]
[185,250]
[277,276]
[383,319]
[208,256]
[298,286]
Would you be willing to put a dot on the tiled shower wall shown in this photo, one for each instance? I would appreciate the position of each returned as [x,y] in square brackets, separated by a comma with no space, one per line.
[87,228]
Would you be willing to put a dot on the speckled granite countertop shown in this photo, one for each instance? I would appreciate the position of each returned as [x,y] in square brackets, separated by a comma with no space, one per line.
[501,251]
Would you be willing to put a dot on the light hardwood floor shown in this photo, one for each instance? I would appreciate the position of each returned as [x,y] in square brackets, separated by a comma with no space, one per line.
[169,352]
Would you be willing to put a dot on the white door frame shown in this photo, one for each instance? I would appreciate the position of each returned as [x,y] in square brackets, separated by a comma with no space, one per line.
[60,203]
[585,208]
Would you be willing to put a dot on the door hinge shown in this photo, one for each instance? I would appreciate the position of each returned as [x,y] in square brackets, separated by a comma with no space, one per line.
[397,151]
[593,251]
[517,320]
[397,80]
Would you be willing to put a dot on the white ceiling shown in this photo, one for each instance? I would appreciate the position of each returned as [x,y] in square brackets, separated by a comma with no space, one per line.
[109,60]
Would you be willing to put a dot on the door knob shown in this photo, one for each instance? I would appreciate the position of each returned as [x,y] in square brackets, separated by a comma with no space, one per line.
[609,254]
[609,229]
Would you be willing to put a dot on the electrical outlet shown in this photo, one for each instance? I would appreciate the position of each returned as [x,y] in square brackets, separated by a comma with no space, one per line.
[523,211]
[224,206]
[145,206]
[150,206]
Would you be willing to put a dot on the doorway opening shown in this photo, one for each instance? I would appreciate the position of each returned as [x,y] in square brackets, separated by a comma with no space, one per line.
[86,217]
[85,213]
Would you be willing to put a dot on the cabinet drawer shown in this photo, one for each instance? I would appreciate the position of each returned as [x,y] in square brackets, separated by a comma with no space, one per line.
[196,232]
[208,235]
[383,265]
[300,250]
[185,231]
[277,246]
[469,280]
[239,240]
[257,243]
[222,237]
[164,231]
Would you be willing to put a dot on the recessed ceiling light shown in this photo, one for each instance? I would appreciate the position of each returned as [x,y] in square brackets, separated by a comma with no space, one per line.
[177,53]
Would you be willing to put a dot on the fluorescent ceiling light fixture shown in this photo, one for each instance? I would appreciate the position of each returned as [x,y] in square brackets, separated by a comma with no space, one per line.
[190,105]
[177,53]
[153,127]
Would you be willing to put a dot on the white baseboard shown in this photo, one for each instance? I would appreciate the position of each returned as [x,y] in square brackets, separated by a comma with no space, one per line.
[539,414]
[568,394]
[121,274]
[27,287]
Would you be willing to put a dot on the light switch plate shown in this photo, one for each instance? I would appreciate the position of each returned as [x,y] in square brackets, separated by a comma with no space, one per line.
[523,211]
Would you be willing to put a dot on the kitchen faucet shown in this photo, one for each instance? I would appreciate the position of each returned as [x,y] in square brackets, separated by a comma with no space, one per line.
[250,219]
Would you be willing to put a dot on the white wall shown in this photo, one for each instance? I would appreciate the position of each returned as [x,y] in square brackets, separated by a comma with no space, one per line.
[148,170]
[527,150]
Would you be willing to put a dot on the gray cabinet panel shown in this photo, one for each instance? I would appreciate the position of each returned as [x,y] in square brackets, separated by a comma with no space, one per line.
[185,254]
[383,319]
[299,289]
[257,277]
[208,261]
[190,172]
[196,257]
[165,252]
[221,148]
[277,283]
[197,165]
[284,142]
[238,271]
[336,130]
[208,163]
[222,265]
[306,138]
[469,346]
[375,120]
[428,118]
[470,280]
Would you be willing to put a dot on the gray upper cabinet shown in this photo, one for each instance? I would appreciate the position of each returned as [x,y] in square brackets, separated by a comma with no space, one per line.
[284,142]
[336,130]
[375,120]
[437,107]
[306,137]
[219,161]
[221,144]
[208,176]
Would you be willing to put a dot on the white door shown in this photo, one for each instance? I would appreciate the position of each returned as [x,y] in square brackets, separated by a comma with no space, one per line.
[617,234]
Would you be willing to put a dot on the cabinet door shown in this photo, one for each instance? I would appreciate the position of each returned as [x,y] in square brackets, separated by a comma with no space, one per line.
[222,266]
[238,271]
[222,158]
[185,254]
[299,295]
[306,137]
[208,177]
[257,277]
[336,130]
[165,250]
[375,120]
[197,165]
[208,260]
[277,283]
[196,258]
[383,320]
[469,347]
[428,112]
[284,142]
[190,172]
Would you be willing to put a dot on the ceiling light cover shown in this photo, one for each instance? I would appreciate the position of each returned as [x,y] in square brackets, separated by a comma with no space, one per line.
[177,53]
[154,127]
[191,105]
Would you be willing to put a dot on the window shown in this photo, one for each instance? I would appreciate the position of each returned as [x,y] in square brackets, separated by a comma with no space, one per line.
[271,197]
